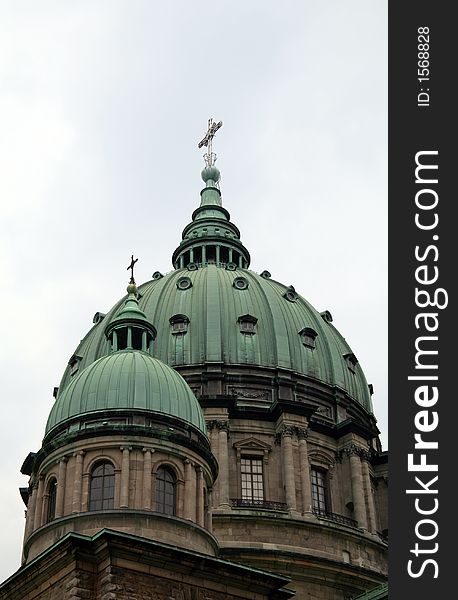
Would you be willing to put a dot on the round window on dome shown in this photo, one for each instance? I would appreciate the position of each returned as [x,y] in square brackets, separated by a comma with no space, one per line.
[231,266]
[184,283]
[290,294]
[192,266]
[240,283]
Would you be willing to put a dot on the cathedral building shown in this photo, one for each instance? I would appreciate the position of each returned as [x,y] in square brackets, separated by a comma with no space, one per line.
[212,438]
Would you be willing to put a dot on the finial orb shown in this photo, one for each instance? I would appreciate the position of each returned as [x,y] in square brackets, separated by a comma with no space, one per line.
[211,173]
[132,288]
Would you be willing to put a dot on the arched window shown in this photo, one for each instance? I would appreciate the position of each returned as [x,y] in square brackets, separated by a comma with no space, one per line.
[101,495]
[165,491]
[51,509]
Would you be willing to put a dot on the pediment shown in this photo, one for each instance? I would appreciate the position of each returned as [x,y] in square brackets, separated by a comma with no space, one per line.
[251,444]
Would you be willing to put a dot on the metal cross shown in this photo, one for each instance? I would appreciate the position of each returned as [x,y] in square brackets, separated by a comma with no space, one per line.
[210,157]
[131,267]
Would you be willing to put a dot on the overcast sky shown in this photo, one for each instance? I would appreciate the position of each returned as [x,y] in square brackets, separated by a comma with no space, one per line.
[102,103]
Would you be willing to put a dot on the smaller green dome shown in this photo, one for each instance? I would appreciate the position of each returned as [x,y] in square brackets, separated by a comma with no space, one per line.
[127,380]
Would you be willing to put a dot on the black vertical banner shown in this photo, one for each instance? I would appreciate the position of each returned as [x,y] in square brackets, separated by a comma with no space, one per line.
[423,333]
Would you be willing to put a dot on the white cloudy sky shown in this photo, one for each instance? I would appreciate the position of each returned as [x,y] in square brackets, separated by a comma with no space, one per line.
[102,103]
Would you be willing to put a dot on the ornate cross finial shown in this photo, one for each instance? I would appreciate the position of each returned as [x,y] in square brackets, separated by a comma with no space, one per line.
[131,267]
[210,157]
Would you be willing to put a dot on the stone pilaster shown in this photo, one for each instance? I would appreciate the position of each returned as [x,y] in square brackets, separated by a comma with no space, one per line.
[61,481]
[37,521]
[78,482]
[180,498]
[190,491]
[208,511]
[29,524]
[125,476]
[200,496]
[147,498]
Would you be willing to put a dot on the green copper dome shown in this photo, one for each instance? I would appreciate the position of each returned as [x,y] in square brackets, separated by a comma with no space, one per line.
[213,299]
[127,380]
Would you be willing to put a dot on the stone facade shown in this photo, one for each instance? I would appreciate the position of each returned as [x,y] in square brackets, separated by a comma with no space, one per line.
[115,566]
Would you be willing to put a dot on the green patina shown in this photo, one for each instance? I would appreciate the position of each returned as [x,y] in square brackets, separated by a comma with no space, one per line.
[211,256]
[213,306]
[378,593]
[127,380]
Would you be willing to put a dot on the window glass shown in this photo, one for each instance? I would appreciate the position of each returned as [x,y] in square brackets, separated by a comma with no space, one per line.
[52,492]
[165,491]
[101,494]
[252,479]
[319,491]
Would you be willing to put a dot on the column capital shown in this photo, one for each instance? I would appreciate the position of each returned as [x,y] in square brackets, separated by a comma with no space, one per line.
[302,433]
[146,450]
[64,459]
[123,448]
[79,453]
[355,450]
[219,424]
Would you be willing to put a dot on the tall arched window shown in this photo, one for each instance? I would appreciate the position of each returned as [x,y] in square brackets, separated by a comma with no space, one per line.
[101,495]
[52,492]
[165,491]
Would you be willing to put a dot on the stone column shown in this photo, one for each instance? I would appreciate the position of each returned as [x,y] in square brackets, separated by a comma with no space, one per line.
[147,478]
[39,504]
[200,497]
[288,467]
[78,482]
[60,493]
[29,524]
[124,500]
[306,484]
[223,457]
[190,491]
[370,497]
[357,486]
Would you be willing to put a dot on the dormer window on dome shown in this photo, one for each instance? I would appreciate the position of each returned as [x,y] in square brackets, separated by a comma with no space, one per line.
[179,324]
[308,336]
[351,361]
[247,324]
[74,364]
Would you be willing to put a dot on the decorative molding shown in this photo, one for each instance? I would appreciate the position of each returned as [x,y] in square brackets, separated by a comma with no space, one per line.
[250,393]
[251,444]
[321,458]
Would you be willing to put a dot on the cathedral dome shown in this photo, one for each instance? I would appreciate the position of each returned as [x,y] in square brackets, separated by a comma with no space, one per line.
[213,303]
[126,380]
